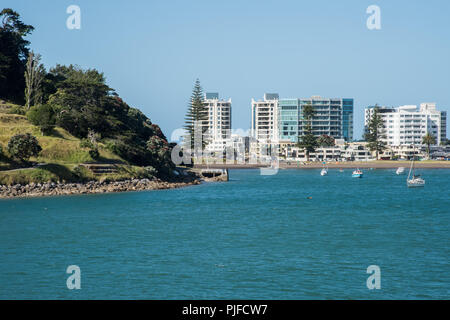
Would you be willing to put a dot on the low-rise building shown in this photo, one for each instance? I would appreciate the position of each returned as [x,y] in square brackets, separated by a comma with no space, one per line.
[354,151]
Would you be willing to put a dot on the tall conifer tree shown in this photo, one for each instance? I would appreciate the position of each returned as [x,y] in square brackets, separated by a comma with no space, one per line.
[375,132]
[197,113]
[308,141]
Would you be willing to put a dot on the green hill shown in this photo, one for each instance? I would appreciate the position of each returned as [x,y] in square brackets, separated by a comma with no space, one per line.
[82,117]
[62,157]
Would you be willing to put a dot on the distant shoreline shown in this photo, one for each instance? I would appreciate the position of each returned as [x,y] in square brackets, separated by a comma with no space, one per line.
[338,165]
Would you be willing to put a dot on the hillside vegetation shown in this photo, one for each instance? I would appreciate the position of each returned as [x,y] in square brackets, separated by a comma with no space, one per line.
[53,122]
[60,158]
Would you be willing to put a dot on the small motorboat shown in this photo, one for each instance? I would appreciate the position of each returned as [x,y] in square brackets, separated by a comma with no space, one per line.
[357,174]
[400,170]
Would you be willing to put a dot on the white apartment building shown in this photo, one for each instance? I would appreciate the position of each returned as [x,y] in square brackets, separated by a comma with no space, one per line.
[218,123]
[265,119]
[408,124]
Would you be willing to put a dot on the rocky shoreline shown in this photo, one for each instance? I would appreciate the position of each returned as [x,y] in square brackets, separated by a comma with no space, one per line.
[91,187]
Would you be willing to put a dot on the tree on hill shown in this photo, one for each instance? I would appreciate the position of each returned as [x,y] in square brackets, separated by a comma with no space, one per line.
[83,101]
[196,114]
[13,55]
[160,151]
[375,133]
[428,140]
[42,116]
[34,74]
[307,141]
[23,146]
[75,99]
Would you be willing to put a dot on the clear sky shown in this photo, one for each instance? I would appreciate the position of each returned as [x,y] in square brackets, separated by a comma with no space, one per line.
[152,51]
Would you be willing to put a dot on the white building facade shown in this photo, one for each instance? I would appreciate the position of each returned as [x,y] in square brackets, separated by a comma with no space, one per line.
[218,123]
[408,124]
[265,119]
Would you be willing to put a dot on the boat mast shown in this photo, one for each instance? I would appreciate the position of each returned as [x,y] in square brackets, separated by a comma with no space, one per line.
[414,159]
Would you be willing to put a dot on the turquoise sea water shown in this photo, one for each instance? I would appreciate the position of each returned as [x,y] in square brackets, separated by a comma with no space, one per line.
[254,237]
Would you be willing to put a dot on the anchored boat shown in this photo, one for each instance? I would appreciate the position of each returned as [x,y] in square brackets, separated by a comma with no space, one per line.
[324,170]
[414,180]
[357,174]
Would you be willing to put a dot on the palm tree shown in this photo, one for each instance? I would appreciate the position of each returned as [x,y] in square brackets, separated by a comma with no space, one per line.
[428,140]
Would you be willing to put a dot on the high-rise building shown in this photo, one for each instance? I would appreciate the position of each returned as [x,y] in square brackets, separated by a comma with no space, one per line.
[408,124]
[282,119]
[265,118]
[219,121]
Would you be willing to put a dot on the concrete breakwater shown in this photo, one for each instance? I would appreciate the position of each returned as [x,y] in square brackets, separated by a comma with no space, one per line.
[53,189]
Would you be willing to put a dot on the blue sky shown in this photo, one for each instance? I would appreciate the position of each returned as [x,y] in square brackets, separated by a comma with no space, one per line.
[152,51]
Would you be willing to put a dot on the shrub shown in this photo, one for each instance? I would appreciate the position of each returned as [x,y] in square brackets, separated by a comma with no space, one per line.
[23,146]
[17,110]
[86,143]
[151,171]
[82,173]
[94,154]
[111,146]
[42,116]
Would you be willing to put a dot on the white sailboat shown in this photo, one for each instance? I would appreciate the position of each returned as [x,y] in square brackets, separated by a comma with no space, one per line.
[414,180]
[400,170]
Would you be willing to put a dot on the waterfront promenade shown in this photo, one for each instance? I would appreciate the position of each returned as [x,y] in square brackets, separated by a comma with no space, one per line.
[338,165]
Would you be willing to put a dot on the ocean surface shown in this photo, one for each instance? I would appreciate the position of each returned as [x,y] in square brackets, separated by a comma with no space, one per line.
[293,235]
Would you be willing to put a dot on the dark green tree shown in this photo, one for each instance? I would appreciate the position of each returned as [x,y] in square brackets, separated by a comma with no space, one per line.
[84,103]
[307,141]
[375,133]
[325,141]
[23,146]
[197,113]
[42,116]
[160,151]
[13,55]
[428,140]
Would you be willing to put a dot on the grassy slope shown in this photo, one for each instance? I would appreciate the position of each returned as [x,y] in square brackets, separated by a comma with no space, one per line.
[61,152]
